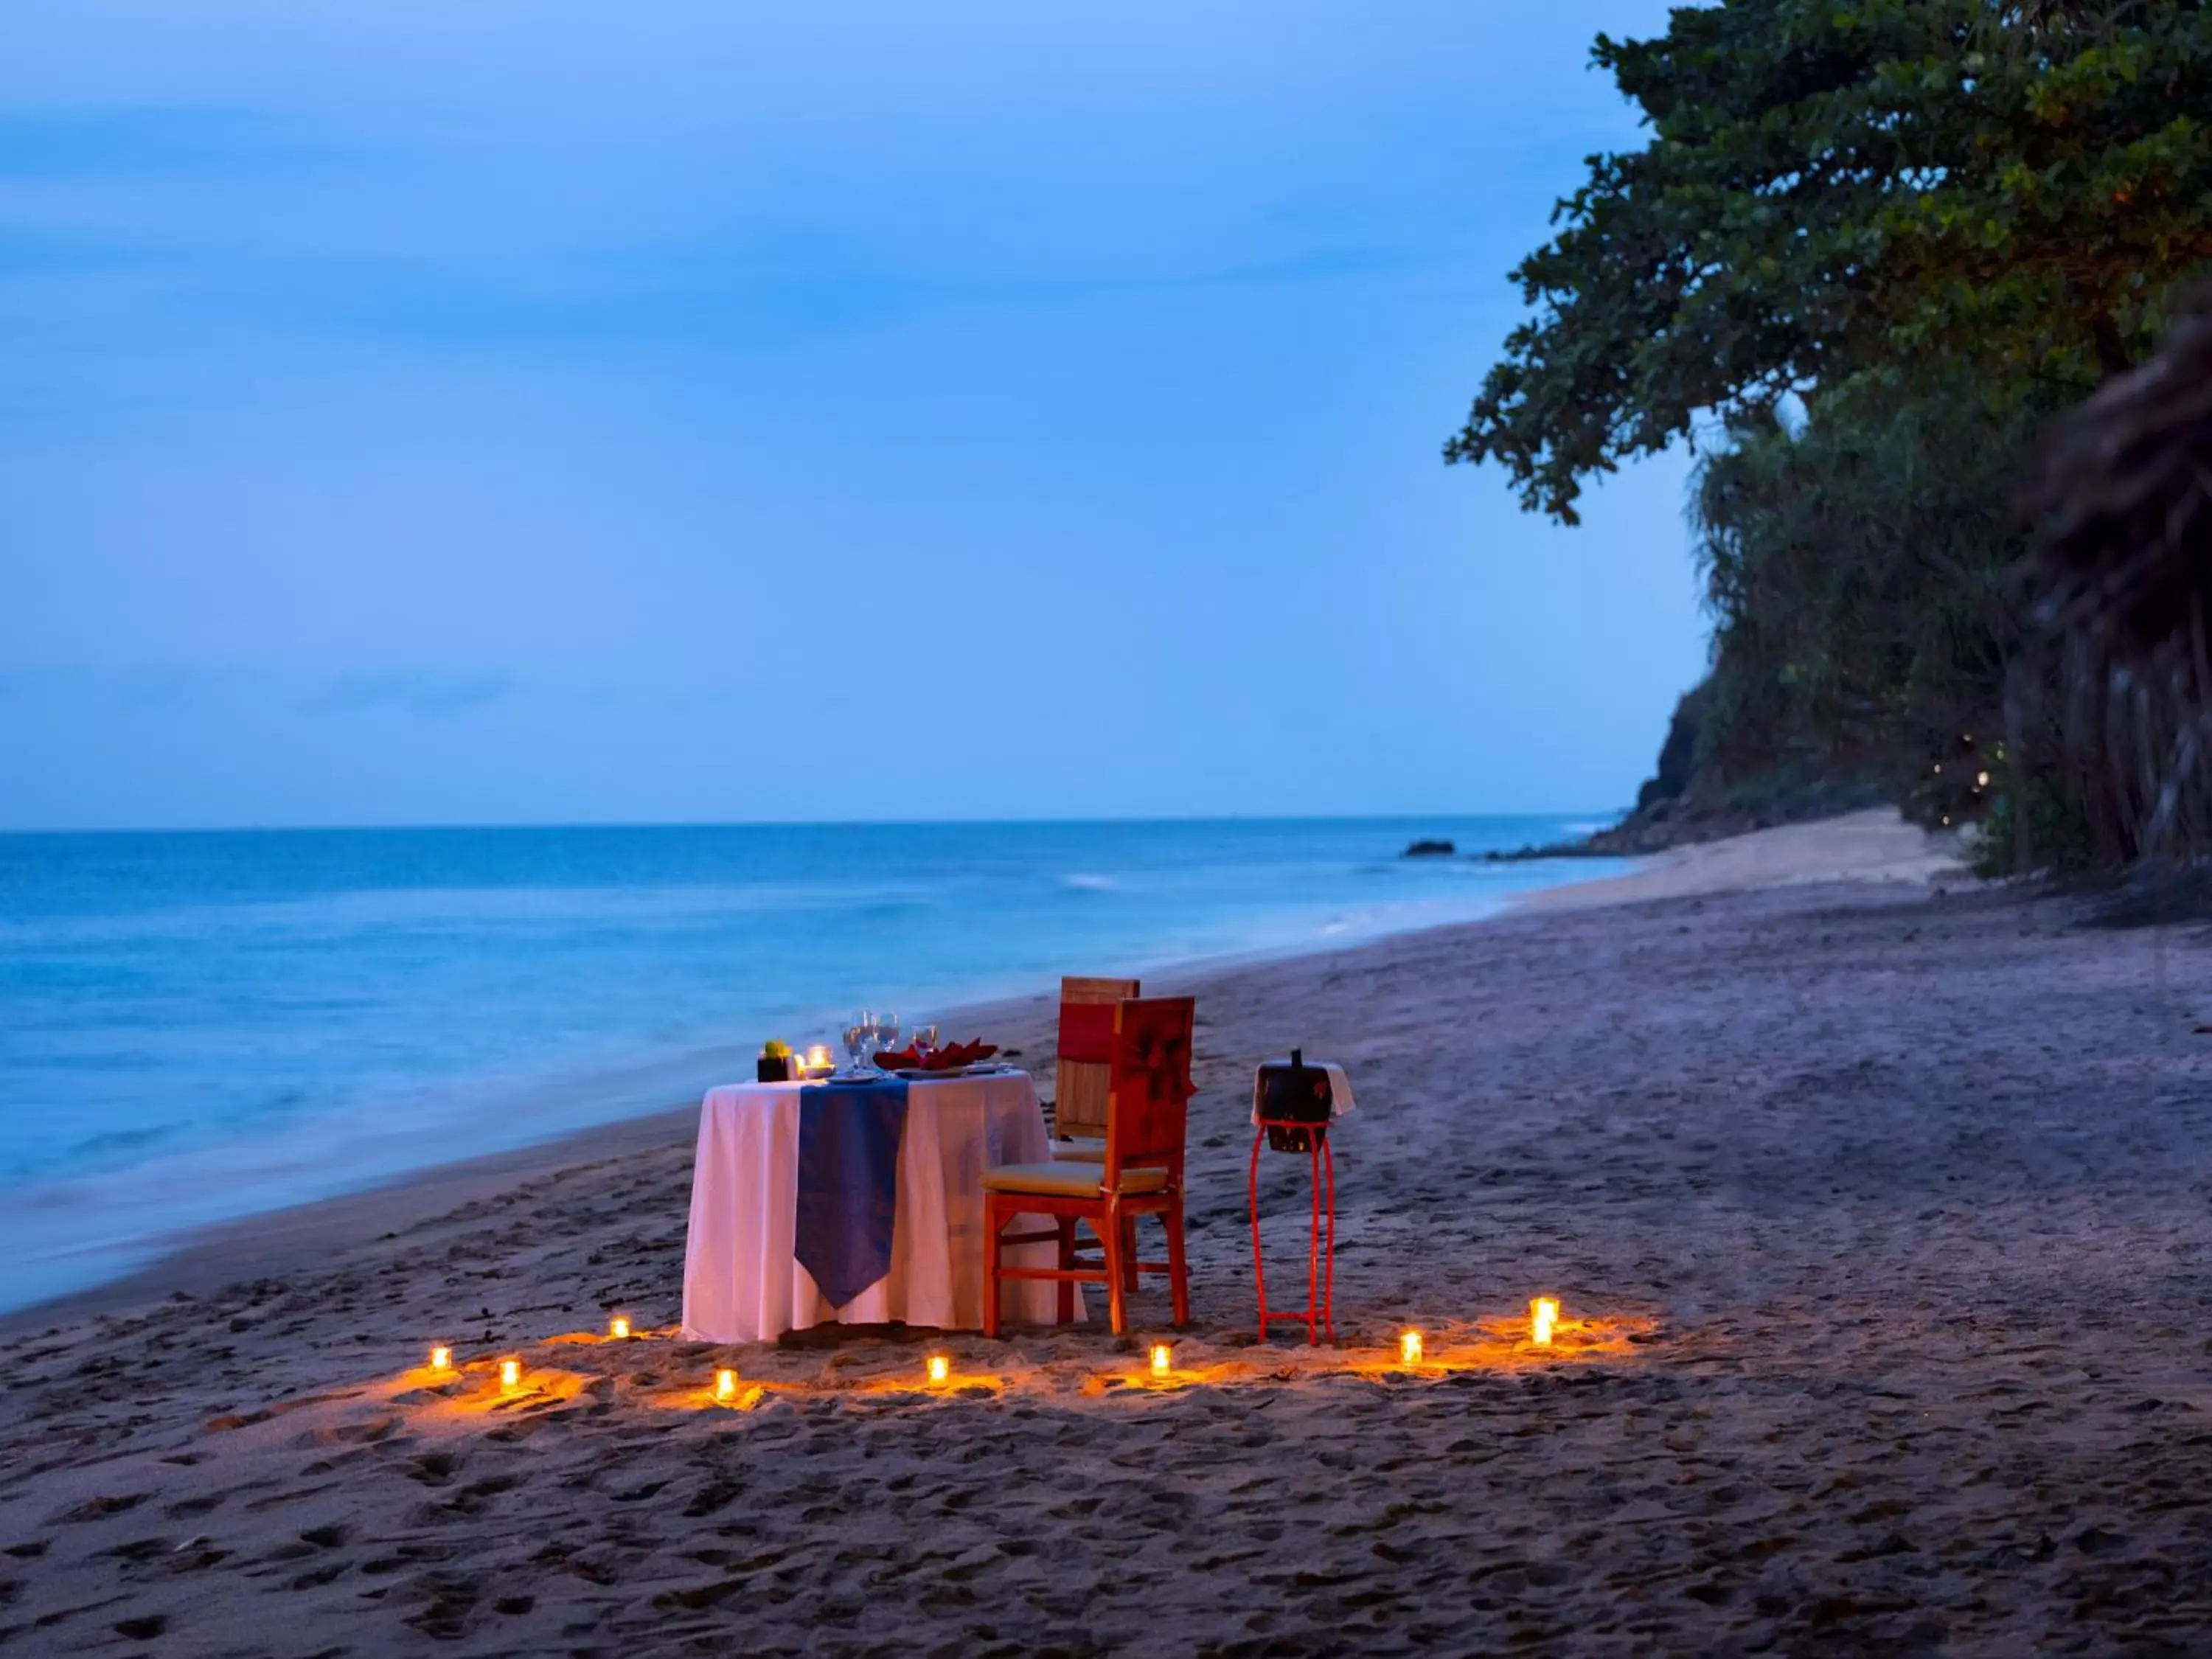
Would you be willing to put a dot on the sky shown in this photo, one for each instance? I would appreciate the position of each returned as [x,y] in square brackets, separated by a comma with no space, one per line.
[549,412]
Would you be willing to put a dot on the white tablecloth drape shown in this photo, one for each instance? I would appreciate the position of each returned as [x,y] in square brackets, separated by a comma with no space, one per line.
[742,1282]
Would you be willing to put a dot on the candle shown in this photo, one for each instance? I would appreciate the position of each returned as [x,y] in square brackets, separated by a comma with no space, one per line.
[1543,1313]
[818,1058]
[1162,1358]
[618,1328]
[441,1359]
[939,1367]
[1409,1348]
[725,1384]
[510,1373]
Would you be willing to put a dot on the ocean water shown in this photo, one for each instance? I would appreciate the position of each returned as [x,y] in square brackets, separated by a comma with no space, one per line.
[197,1027]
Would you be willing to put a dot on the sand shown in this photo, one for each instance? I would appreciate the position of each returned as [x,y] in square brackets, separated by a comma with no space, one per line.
[1877,845]
[1878,1208]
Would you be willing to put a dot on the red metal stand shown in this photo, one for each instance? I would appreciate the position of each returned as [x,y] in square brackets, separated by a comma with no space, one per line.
[1318,1314]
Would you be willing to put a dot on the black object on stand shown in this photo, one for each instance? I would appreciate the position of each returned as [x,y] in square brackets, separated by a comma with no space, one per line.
[1291,1106]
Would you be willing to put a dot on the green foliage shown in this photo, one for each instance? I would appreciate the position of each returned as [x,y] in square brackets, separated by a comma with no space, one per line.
[1870,247]
[1856,571]
[1838,189]
[2034,804]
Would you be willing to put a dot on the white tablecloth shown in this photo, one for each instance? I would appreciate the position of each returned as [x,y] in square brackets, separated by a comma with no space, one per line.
[741,1281]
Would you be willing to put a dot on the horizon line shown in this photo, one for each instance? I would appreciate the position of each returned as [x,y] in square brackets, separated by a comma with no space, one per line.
[458,827]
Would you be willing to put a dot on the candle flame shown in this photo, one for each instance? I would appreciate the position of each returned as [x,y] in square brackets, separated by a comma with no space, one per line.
[441,1359]
[1162,1358]
[618,1328]
[725,1384]
[1543,1315]
[510,1373]
[1409,1348]
[939,1367]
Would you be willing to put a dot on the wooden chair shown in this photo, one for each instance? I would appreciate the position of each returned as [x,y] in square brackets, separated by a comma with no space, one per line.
[1083,1068]
[1147,1105]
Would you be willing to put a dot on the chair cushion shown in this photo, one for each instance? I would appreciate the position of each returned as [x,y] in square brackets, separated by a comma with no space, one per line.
[1068,1178]
[1079,1152]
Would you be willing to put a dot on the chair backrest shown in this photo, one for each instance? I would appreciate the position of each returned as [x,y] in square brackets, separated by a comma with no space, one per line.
[1084,1072]
[1148,1101]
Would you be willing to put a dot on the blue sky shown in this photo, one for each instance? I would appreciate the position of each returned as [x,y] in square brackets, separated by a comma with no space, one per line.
[432,413]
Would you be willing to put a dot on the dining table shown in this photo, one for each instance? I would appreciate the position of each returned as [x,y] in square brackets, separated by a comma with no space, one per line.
[876,1185]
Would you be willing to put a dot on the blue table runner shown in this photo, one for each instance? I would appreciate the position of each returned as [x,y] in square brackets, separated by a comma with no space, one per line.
[848,1155]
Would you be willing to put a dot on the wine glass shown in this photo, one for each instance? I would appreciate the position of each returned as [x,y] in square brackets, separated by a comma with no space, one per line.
[925,1037]
[887,1030]
[859,1035]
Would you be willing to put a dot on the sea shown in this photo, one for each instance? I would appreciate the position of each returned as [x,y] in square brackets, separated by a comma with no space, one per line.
[199,1027]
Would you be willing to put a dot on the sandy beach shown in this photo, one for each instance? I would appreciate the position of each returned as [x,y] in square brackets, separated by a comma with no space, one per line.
[1877,1203]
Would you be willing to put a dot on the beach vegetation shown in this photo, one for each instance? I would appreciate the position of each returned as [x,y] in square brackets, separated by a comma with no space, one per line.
[1868,252]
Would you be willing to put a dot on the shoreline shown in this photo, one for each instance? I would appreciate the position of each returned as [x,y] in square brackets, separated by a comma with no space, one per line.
[410,1003]
[1861,846]
[187,1137]
[198,1256]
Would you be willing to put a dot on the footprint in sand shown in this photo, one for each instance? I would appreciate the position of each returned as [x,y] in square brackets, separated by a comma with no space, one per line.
[470,1499]
[433,1468]
[99,1509]
[452,1598]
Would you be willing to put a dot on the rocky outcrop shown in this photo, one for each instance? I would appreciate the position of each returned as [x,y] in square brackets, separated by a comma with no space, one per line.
[1678,755]
[1687,800]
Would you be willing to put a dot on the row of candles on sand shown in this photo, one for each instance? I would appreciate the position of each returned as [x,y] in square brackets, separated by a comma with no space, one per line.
[1543,1320]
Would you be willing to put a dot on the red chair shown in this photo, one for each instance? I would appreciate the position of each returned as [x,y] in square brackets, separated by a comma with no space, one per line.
[1147,1106]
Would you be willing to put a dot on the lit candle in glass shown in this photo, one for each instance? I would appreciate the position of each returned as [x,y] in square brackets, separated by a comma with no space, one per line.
[1543,1315]
[1409,1348]
[725,1384]
[510,1373]
[818,1058]
[618,1328]
[441,1359]
[939,1367]
[1162,1358]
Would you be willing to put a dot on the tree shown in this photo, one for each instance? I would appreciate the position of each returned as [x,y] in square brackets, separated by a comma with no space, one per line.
[1869,248]
[1855,568]
[1905,192]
